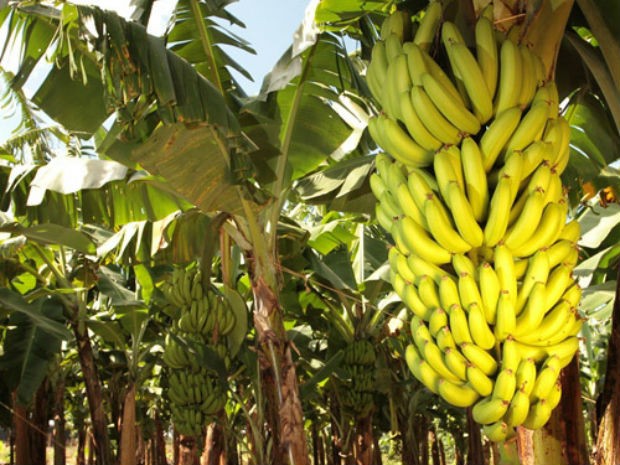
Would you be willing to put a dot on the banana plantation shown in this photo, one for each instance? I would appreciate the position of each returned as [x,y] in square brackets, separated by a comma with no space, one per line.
[404,250]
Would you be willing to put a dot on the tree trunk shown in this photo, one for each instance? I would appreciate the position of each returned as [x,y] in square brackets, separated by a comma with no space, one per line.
[159,458]
[176,447]
[377,459]
[128,428]
[475,454]
[215,445]
[432,439]
[314,433]
[607,451]
[571,408]
[409,448]
[58,435]
[100,439]
[189,453]
[364,442]
[39,425]
[279,378]
[80,458]
[22,434]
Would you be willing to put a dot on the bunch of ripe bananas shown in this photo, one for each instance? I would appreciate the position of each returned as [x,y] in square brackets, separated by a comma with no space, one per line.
[470,190]
[205,317]
[359,361]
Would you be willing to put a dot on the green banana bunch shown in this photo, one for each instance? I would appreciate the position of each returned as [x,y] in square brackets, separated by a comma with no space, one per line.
[469,188]
[357,385]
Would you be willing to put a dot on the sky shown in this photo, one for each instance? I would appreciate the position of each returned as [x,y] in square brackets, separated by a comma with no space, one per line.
[270,25]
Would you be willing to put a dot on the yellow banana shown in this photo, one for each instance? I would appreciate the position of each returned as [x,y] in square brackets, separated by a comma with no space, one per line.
[383,218]
[489,291]
[510,355]
[530,128]
[525,226]
[472,78]
[445,340]
[571,232]
[410,297]
[428,292]
[429,24]
[573,295]
[498,133]
[475,178]
[432,118]
[377,186]
[448,292]
[442,229]
[393,47]
[505,269]
[421,267]
[560,251]
[526,375]
[505,385]
[388,203]
[398,82]
[416,63]
[415,126]
[456,362]
[479,357]
[534,154]
[419,332]
[549,228]
[533,312]
[399,24]
[463,264]
[408,206]
[419,187]
[421,369]
[459,395]
[400,145]
[454,112]
[479,381]
[512,169]
[518,409]
[544,383]
[555,191]
[438,319]
[458,325]
[537,271]
[417,240]
[398,263]
[564,350]
[489,410]
[559,317]
[468,290]
[499,212]
[479,329]
[487,53]
[444,171]
[510,75]
[555,395]
[450,34]
[529,80]
[559,280]
[433,355]
[463,215]
[505,320]
[438,73]
[497,431]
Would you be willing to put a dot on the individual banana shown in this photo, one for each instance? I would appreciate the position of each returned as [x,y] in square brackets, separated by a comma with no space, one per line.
[415,126]
[417,241]
[526,375]
[499,212]
[497,431]
[538,415]
[489,410]
[479,357]
[511,358]
[429,25]
[456,362]
[448,292]
[530,128]
[518,409]
[479,329]
[475,178]
[421,369]
[549,228]
[505,385]
[487,52]
[498,133]
[463,215]
[510,74]
[529,78]
[526,225]
[433,355]
[443,232]
[505,319]
[472,78]
[538,268]
[481,383]
[400,145]
[459,325]
[463,264]
[433,120]
[489,291]
[459,395]
[438,320]
[452,110]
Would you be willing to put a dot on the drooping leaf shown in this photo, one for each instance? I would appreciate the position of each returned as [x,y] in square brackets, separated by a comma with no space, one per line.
[35,311]
[29,348]
[53,234]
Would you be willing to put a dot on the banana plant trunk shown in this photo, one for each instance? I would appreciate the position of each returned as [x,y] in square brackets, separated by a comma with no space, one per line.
[363,446]
[215,445]
[278,373]
[59,437]
[608,403]
[101,441]
[189,453]
[23,450]
[128,428]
